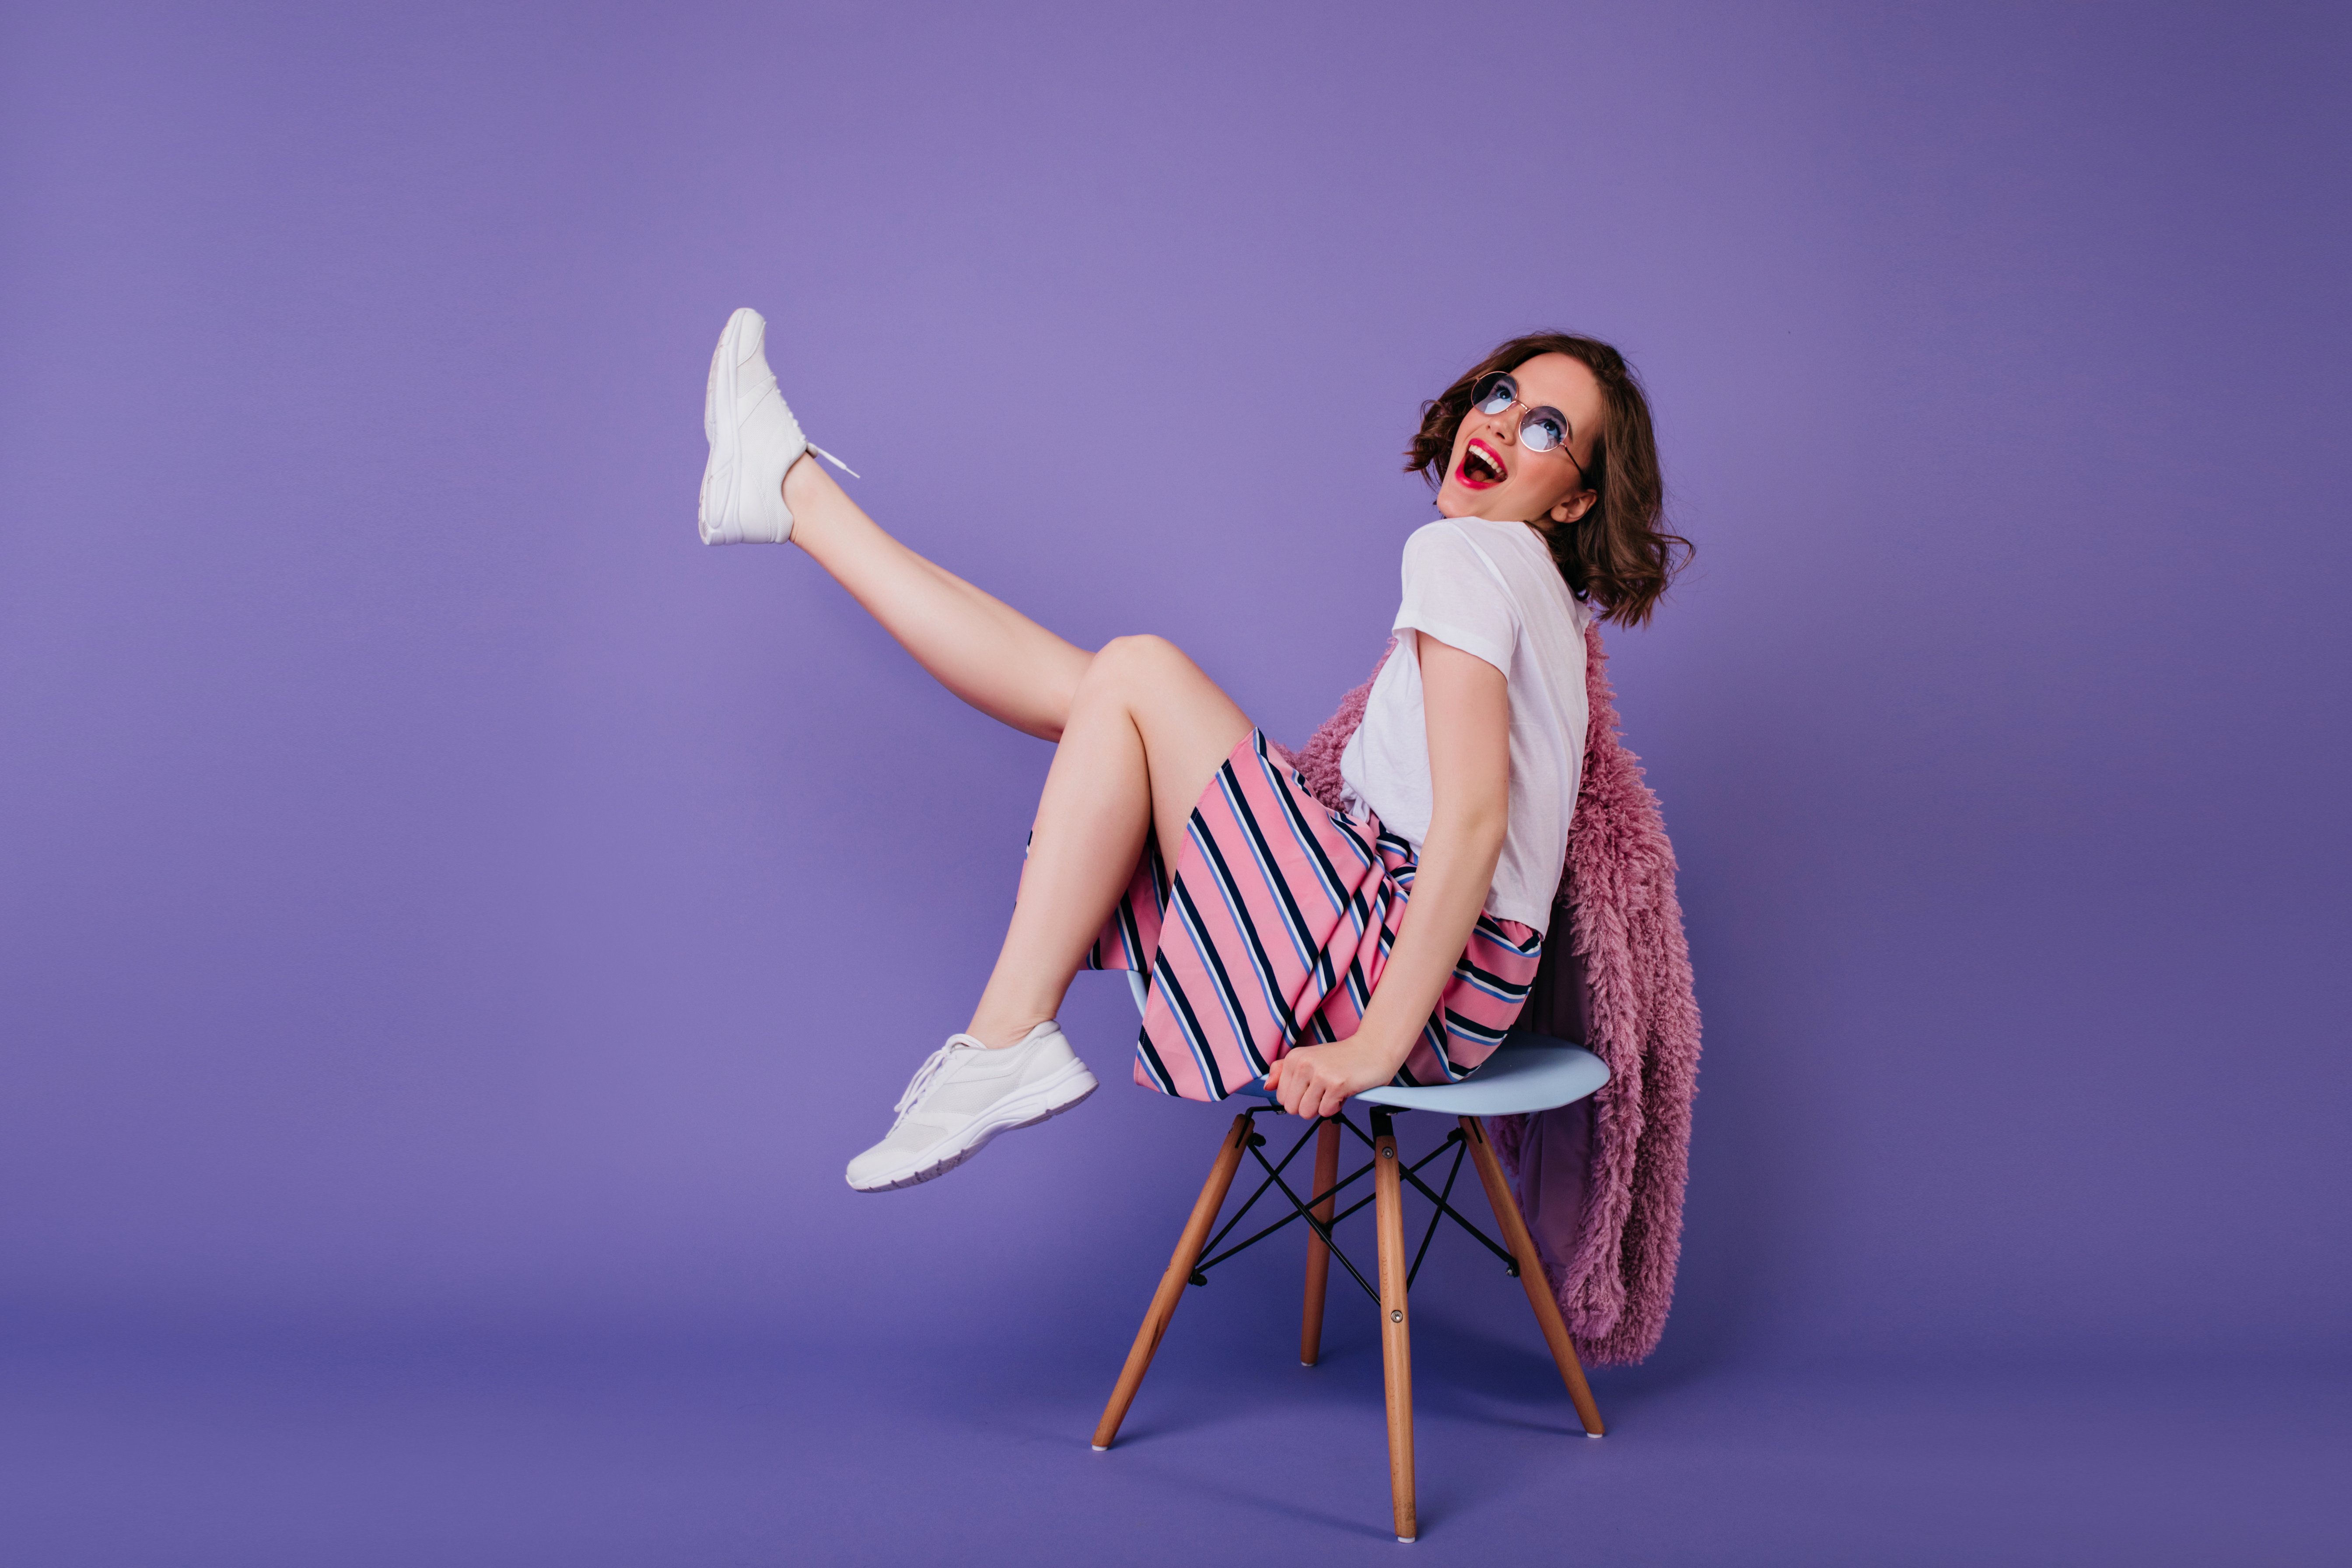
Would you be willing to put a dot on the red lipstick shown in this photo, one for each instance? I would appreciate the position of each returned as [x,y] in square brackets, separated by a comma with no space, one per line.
[1480,469]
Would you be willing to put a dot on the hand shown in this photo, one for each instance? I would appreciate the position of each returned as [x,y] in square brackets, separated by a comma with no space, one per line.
[1315,1082]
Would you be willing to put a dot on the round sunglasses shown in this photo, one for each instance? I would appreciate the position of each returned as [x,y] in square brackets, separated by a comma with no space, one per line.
[1541,429]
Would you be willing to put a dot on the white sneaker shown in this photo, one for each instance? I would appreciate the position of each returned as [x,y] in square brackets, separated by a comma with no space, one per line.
[753,439]
[965,1095]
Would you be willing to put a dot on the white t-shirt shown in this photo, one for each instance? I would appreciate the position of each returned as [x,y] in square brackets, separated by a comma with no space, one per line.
[1491,590]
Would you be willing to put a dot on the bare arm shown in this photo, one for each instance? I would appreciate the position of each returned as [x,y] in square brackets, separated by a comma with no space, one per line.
[1468,707]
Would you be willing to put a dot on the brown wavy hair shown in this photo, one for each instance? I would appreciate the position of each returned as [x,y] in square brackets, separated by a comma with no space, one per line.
[1618,555]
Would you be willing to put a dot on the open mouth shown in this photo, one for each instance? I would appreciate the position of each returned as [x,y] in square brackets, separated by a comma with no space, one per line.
[1480,467]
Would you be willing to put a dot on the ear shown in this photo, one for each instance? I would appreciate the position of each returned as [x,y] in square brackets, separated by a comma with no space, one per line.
[1574,507]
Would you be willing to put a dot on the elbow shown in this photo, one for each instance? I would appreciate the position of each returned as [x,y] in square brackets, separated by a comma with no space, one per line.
[1490,831]
[1476,827]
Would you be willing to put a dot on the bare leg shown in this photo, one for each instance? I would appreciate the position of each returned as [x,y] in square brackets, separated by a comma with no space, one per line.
[1146,732]
[981,648]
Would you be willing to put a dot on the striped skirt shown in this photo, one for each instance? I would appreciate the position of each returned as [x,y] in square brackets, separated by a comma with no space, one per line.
[1275,928]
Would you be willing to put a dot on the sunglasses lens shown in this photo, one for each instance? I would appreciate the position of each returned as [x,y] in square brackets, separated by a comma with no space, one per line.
[1543,429]
[1494,394]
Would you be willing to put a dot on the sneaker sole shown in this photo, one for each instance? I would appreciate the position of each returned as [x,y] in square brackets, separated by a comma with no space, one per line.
[718,425]
[1039,1105]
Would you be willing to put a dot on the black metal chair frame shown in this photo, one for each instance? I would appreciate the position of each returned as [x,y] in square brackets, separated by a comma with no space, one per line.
[1303,1209]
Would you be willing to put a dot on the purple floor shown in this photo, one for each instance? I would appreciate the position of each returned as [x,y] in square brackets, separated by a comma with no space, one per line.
[959,1442]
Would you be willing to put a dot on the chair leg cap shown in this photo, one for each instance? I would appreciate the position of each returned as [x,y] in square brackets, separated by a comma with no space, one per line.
[1102,1447]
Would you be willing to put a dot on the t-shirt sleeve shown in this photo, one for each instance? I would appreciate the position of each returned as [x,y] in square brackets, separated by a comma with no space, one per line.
[1452,595]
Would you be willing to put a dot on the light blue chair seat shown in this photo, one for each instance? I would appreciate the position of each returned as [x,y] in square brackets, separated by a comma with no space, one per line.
[1527,1073]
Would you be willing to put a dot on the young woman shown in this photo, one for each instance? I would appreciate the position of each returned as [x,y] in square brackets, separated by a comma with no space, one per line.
[1314,950]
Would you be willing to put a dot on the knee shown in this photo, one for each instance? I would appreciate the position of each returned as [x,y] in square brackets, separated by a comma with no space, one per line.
[1123,664]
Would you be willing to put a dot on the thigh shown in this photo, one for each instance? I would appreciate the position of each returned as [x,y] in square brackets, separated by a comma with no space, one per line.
[1188,726]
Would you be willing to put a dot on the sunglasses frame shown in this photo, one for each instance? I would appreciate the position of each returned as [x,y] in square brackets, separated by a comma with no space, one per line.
[1497,380]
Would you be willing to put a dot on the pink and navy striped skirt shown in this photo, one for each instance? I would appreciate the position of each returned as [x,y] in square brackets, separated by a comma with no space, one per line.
[1275,929]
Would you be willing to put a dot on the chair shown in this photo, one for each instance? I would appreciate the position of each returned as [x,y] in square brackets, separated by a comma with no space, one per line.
[1527,1073]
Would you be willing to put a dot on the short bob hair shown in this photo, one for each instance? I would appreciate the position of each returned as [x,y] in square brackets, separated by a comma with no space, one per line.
[1618,555]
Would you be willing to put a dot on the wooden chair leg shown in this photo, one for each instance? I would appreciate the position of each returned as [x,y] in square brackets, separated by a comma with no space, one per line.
[1396,1329]
[1318,1255]
[1172,1284]
[1532,1274]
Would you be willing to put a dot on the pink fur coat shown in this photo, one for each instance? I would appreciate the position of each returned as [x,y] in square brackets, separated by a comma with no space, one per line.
[1601,1181]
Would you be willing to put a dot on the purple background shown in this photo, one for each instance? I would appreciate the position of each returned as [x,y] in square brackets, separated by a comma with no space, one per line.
[454,929]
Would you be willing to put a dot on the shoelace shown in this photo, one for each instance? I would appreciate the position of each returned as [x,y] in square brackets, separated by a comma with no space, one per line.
[925,1075]
[836,462]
